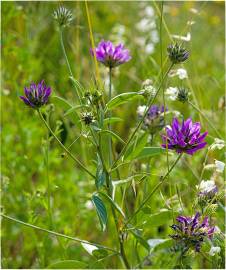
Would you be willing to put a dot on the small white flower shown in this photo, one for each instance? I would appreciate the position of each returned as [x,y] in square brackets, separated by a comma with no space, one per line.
[184,38]
[219,166]
[141,110]
[149,11]
[149,48]
[172,92]
[214,250]
[89,205]
[182,73]
[206,186]
[218,144]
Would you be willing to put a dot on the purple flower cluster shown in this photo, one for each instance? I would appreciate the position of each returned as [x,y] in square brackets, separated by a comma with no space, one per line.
[191,232]
[185,137]
[36,95]
[155,111]
[110,55]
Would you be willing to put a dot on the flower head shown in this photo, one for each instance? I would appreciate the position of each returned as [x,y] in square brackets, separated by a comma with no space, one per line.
[185,137]
[36,95]
[214,250]
[182,95]
[63,16]
[87,118]
[190,232]
[154,121]
[207,187]
[177,54]
[110,55]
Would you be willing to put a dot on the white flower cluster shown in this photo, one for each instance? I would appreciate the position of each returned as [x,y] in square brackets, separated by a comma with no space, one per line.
[217,144]
[147,26]
[206,186]
[180,72]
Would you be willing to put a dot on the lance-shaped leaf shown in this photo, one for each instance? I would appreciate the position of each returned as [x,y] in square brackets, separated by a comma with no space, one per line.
[100,174]
[101,211]
[122,98]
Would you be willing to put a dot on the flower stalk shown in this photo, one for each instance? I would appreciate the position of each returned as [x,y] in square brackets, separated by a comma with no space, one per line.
[63,147]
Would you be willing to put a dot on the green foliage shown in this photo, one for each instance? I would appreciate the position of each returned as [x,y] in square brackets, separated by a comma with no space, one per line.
[32,168]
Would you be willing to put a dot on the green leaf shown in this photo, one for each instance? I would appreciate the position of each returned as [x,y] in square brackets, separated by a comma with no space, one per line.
[122,98]
[112,120]
[101,211]
[74,108]
[61,101]
[150,152]
[113,203]
[100,253]
[136,147]
[157,244]
[100,174]
[159,218]
[113,135]
[68,264]
[137,234]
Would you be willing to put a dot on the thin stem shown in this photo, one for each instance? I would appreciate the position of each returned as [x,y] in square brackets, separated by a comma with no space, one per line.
[154,190]
[92,40]
[55,233]
[206,118]
[109,125]
[149,103]
[63,147]
[47,176]
[64,52]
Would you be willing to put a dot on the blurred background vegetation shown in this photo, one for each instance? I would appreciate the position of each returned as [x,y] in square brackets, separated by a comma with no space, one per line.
[30,52]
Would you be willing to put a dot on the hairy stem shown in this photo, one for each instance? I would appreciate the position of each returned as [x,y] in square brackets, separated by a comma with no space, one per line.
[63,147]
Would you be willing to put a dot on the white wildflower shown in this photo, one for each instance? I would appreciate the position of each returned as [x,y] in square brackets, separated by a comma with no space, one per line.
[149,11]
[214,250]
[149,48]
[184,38]
[206,186]
[218,144]
[182,73]
[172,92]
[219,166]
[141,110]
[89,205]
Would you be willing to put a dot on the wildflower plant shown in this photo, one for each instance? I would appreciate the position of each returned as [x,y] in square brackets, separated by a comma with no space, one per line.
[111,164]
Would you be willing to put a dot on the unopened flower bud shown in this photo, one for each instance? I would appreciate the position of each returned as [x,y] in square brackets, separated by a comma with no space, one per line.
[182,95]
[63,16]
[177,54]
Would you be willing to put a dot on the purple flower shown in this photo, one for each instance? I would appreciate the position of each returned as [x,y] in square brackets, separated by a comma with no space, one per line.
[191,232]
[36,95]
[185,137]
[155,111]
[154,121]
[110,55]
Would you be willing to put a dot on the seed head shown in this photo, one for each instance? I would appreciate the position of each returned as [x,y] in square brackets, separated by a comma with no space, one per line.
[63,16]
[182,95]
[87,118]
[177,54]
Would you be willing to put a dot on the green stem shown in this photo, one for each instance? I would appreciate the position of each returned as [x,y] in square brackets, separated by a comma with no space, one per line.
[63,147]
[109,125]
[154,190]
[47,176]
[55,233]
[64,52]
[206,118]
[149,103]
